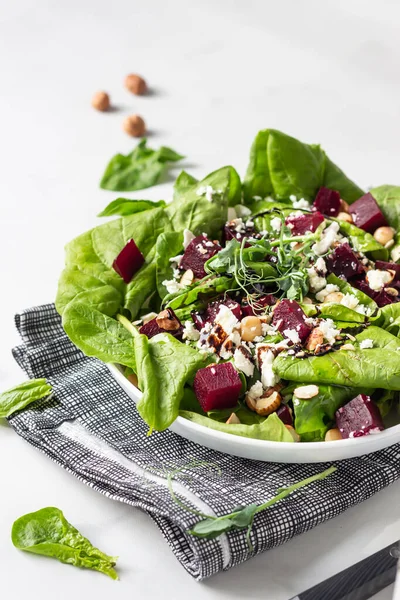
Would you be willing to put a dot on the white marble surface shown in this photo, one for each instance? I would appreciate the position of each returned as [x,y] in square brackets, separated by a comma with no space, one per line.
[220,71]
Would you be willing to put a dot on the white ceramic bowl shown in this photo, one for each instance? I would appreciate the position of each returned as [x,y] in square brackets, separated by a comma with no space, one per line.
[281,452]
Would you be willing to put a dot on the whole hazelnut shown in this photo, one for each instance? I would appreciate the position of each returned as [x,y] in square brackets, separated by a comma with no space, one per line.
[135,84]
[134,126]
[101,101]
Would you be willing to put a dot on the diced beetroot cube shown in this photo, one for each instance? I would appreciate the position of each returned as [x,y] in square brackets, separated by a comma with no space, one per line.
[197,254]
[344,262]
[213,308]
[259,305]
[165,322]
[388,266]
[217,387]
[359,417]
[382,298]
[289,315]
[285,414]
[327,202]
[235,230]
[362,285]
[305,223]
[366,213]
[199,319]
[128,261]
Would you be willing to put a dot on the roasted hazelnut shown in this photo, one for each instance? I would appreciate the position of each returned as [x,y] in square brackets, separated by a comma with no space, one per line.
[135,84]
[101,101]
[134,126]
[383,235]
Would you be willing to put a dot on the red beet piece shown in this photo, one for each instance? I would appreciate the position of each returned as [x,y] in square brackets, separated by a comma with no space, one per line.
[382,298]
[304,223]
[343,262]
[128,261]
[388,266]
[230,232]
[152,328]
[197,253]
[366,213]
[289,315]
[199,319]
[359,417]
[213,308]
[259,305]
[327,201]
[285,414]
[217,386]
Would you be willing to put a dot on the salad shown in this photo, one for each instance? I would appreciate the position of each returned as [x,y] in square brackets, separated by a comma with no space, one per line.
[267,308]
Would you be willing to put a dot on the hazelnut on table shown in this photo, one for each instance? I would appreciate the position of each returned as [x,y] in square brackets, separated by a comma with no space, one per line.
[101,101]
[134,126]
[135,84]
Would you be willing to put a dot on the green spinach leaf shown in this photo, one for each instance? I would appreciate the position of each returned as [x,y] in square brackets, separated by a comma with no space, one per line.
[363,242]
[388,199]
[168,245]
[47,532]
[137,170]
[21,395]
[205,288]
[125,206]
[183,183]
[281,166]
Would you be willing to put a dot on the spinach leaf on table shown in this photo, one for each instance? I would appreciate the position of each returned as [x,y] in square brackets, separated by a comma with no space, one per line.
[47,532]
[137,170]
[21,395]
[281,166]
[270,428]
[376,367]
[125,206]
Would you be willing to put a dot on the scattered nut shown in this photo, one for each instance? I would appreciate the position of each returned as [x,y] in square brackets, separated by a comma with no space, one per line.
[307,300]
[134,126]
[133,379]
[101,101]
[167,320]
[389,244]
[268,404]
[135,84]
[383,235]
[250,327]
[315,339]
[336,297]
[148,317]
[306,392]
[233,420]
[344,206]
[251,403]
[392,291]
[344,216]
[332,435]
[293,432]
[187,277]
[347,347]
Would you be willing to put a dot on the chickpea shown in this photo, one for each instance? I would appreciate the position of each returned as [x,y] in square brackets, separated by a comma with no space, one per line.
[332,435]
[344,207]
[334,297]
[250,327]
[383,235]
[101,101]
[134,126]
[343,216]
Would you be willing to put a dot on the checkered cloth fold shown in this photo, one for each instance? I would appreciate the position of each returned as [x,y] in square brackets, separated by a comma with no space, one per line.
[91,428]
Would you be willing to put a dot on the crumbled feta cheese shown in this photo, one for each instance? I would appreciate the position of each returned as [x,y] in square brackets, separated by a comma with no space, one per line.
[276,224]
[238,224]
[172,286]
[320,265]
[256,391]
[207,191]
[266,358]
[243,363]
[292,335]
[232,214]
[376,279]
[188,236]
[242,211]
[226,319]
[190,332]
[330,235]
[176,259]
[328,290]
[302,203]
[329,330]
[316,282]
[249,223]
[201,249]
[367,343]
[349,301]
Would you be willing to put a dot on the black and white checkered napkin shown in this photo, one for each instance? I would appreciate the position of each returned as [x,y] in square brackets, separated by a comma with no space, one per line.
[91,428]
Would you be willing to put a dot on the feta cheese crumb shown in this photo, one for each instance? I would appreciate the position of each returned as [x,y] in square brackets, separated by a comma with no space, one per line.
[176,259]
[188,236]
[376,279]
[266,358]
[302,203]
[367,343]
[316,282]
[276,224]
[320,265]
[330,235]
[328,290]
[226,319]
[329,330]
[349,301]
[256,391]
[172,286]
[243,363]
[292,335]
[207,191]
[190,332]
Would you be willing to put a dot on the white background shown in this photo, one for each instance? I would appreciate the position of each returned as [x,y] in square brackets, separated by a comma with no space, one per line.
[219,71]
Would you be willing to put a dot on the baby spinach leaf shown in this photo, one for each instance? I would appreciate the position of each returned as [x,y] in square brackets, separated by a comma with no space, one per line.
[363,242]
[388,318]
[127,206]
[182,184]
[376,367]
[281,166]
[271,428]
[346,288]
[137,170]
[164,366]
[98,335]
[168,245]
[388,200]
[47,532]
[21,395]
